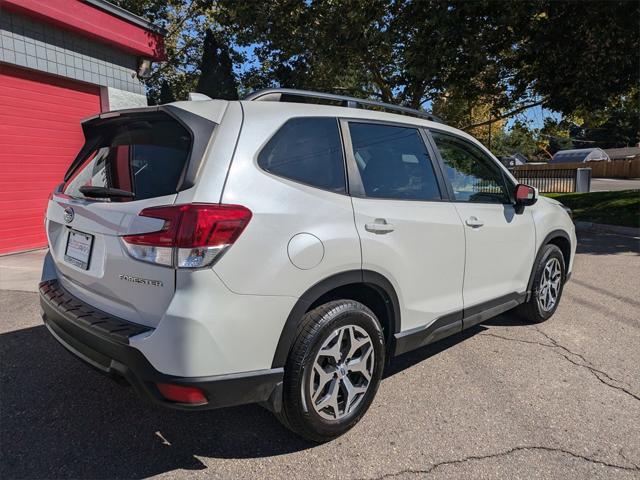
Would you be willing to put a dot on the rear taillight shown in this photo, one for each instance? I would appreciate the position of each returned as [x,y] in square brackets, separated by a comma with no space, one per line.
[194,235]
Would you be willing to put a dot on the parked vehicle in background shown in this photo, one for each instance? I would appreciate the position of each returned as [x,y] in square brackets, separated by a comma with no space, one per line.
[216,253]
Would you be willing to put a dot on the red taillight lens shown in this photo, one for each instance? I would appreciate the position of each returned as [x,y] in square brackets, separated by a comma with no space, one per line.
[182,394]
[210,226]
[199,232]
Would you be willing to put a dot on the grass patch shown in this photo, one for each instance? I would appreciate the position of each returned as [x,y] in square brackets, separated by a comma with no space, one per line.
[611,208]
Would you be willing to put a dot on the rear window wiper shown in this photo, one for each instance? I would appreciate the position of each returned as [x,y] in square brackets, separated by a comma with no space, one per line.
[105,192]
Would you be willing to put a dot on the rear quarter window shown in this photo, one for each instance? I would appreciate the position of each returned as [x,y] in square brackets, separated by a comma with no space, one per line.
[145,155]
[309,151]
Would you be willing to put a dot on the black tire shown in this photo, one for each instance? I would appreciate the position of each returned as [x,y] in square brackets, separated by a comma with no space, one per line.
[532,311]
[315,329]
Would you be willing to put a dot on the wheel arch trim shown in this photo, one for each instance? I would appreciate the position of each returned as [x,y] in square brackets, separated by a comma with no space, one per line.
[366,277]
[550,236]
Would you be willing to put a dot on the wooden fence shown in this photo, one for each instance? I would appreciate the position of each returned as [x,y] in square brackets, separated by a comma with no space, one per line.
[614,169]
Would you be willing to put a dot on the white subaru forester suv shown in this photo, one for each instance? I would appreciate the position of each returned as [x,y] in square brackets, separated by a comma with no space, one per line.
[281,249]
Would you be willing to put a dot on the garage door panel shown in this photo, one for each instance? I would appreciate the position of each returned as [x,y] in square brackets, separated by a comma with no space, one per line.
[13,148]
[18,105]
[39,139]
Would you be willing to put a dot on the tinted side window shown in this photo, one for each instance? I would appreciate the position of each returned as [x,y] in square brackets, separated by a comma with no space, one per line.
[393,162]
[473,175]
[307,150]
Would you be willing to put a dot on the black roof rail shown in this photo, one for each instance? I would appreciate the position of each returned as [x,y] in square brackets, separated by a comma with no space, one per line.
[276,95]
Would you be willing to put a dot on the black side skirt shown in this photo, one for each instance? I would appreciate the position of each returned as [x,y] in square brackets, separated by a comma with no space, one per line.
[455,322]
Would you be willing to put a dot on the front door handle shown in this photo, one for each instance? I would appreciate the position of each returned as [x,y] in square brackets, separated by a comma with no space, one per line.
[474,222]
[379,226]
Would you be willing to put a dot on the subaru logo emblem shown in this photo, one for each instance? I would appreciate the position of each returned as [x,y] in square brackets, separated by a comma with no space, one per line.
[68,214]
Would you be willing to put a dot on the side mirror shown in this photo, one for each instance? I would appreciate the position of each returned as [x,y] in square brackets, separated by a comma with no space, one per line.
[525,195]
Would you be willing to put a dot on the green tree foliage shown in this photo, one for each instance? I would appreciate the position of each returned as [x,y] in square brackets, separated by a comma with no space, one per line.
[216,71]
[186,23]
[396,51]
[461,57]
[556,134]
[618,124]
[578,55]
[518,139]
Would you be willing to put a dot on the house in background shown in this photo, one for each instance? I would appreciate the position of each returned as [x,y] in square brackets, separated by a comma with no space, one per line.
[626,153]
[514,160]
[580,155]
[60,61]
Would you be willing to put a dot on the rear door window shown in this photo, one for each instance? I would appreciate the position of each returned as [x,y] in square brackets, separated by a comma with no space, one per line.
[145,155]
[393,162]
[307,150]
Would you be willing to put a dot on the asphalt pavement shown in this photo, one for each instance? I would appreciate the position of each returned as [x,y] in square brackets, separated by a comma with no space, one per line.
[612,184]
[503,400]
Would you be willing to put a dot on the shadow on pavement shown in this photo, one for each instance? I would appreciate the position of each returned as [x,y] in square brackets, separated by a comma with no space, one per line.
[61,419]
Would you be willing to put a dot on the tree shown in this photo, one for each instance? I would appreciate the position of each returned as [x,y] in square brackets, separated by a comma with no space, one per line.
[564,55]
[186,23]
[617,125]
[557,135]
[571,56]
[518,139]
[216,70]
[579,55]
[397,51]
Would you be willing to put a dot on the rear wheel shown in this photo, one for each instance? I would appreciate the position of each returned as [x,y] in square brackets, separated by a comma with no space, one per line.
[333,370]
[547,286]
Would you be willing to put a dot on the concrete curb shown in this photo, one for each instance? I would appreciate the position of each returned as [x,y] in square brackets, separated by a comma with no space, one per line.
[601,227]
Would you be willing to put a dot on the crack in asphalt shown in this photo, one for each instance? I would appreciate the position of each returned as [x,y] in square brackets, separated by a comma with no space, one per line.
[505,453]
[627,459]
[603,377]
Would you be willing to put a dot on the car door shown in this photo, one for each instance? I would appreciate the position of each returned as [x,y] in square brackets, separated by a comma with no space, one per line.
[407,232]
[500,241]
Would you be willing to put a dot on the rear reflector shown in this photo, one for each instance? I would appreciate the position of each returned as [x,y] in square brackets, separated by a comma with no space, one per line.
[194,235]
[182,394]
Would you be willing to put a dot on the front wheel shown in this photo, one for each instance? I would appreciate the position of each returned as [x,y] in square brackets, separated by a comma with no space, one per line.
[548,282]
[333,370]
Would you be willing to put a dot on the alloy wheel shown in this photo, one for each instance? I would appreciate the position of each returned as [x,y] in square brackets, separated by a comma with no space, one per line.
[549,288]
[341,372]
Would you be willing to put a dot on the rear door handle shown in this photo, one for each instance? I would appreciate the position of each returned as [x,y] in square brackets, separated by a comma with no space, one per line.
[379,226]
[474,222]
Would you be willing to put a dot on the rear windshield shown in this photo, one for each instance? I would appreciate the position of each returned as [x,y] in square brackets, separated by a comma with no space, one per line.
[145,155]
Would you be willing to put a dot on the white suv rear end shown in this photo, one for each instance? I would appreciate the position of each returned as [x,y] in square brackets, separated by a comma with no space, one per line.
[217,253]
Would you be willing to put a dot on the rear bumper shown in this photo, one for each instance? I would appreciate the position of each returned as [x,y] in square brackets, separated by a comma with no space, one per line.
[102,341]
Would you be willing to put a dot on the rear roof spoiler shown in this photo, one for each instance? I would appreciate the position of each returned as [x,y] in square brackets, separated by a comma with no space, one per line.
[199,127]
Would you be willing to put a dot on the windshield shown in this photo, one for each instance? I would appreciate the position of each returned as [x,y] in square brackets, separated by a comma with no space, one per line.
[143,154]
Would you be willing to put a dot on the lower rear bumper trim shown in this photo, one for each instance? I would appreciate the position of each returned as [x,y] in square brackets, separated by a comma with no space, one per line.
[115,358]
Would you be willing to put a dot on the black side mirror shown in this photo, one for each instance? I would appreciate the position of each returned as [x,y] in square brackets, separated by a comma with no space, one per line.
[525,195]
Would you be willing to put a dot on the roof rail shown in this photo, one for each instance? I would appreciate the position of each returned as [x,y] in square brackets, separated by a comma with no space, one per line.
[276,94]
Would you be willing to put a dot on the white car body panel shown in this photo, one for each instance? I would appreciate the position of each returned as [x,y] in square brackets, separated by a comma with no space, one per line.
[429,284]
[499,254]
[259,262]
[209,330]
